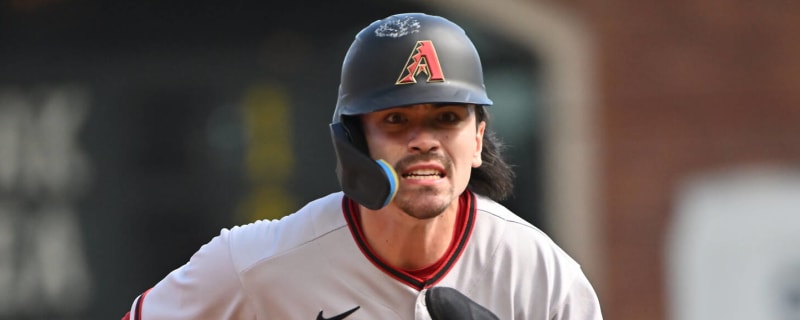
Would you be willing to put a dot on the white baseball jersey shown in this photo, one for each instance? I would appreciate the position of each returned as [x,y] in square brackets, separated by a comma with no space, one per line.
[316,264]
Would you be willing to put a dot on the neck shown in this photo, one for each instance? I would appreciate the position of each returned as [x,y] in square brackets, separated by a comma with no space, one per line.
[406,242]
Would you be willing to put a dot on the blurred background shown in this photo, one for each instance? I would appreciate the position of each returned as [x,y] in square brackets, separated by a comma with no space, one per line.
[657,142]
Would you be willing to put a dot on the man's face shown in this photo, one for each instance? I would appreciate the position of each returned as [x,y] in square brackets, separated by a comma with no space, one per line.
[433,148]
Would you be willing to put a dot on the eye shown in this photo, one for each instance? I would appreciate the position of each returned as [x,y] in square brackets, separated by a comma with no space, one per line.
[449,117]
[394,118]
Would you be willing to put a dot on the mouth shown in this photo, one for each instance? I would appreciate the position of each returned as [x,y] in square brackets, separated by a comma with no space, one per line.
[426,169]
[423,174]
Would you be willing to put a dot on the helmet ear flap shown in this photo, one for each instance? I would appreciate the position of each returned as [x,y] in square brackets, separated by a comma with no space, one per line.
[371,183]
[355,132]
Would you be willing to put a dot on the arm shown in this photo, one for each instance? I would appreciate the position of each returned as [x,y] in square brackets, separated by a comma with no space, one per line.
[207,287]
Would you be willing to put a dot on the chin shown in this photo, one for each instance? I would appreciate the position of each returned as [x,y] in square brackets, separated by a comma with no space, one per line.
[424,205]
[424,213]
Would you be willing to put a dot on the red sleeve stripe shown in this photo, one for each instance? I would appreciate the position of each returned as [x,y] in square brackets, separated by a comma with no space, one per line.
[139,303]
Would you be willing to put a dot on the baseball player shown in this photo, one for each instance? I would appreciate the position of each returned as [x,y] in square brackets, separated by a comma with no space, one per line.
[415,233]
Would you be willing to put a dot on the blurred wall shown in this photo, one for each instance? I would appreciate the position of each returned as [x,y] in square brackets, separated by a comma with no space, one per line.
[684,88]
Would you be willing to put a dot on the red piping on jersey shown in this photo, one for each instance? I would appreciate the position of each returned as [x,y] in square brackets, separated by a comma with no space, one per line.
[426,277]
[139,305]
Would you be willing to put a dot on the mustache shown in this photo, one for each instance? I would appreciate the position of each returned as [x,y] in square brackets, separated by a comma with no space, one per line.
[406,162]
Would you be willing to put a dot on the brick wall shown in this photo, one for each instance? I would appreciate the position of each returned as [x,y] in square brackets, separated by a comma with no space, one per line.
[685,87]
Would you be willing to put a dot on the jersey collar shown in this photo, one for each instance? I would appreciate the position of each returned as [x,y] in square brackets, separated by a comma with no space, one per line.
[464,225]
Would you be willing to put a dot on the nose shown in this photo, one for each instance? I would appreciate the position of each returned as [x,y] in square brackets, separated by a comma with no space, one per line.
[422,140]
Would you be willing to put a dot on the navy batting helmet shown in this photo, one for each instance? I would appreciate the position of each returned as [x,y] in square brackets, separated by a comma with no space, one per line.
[402,60]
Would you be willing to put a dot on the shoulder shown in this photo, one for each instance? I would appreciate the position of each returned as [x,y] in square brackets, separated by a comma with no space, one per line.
[543,274]
[490,207]
[517,239]
[264,239]
[503,221]
[210,284]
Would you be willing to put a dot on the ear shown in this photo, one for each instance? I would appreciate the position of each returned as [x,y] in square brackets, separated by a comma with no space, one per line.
[476,157]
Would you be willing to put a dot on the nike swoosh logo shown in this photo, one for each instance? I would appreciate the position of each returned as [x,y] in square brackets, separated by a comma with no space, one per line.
[340,316]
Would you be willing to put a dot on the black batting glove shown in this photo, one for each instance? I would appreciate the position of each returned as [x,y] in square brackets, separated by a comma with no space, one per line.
[445,303]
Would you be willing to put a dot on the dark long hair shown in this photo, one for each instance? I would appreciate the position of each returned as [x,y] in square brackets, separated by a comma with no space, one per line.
[494,178]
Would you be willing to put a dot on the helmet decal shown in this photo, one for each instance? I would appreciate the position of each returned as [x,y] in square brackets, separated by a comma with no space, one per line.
[423,59]
[397,27]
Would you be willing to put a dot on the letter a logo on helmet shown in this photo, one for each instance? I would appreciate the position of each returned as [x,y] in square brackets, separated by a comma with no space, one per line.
[423,59]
